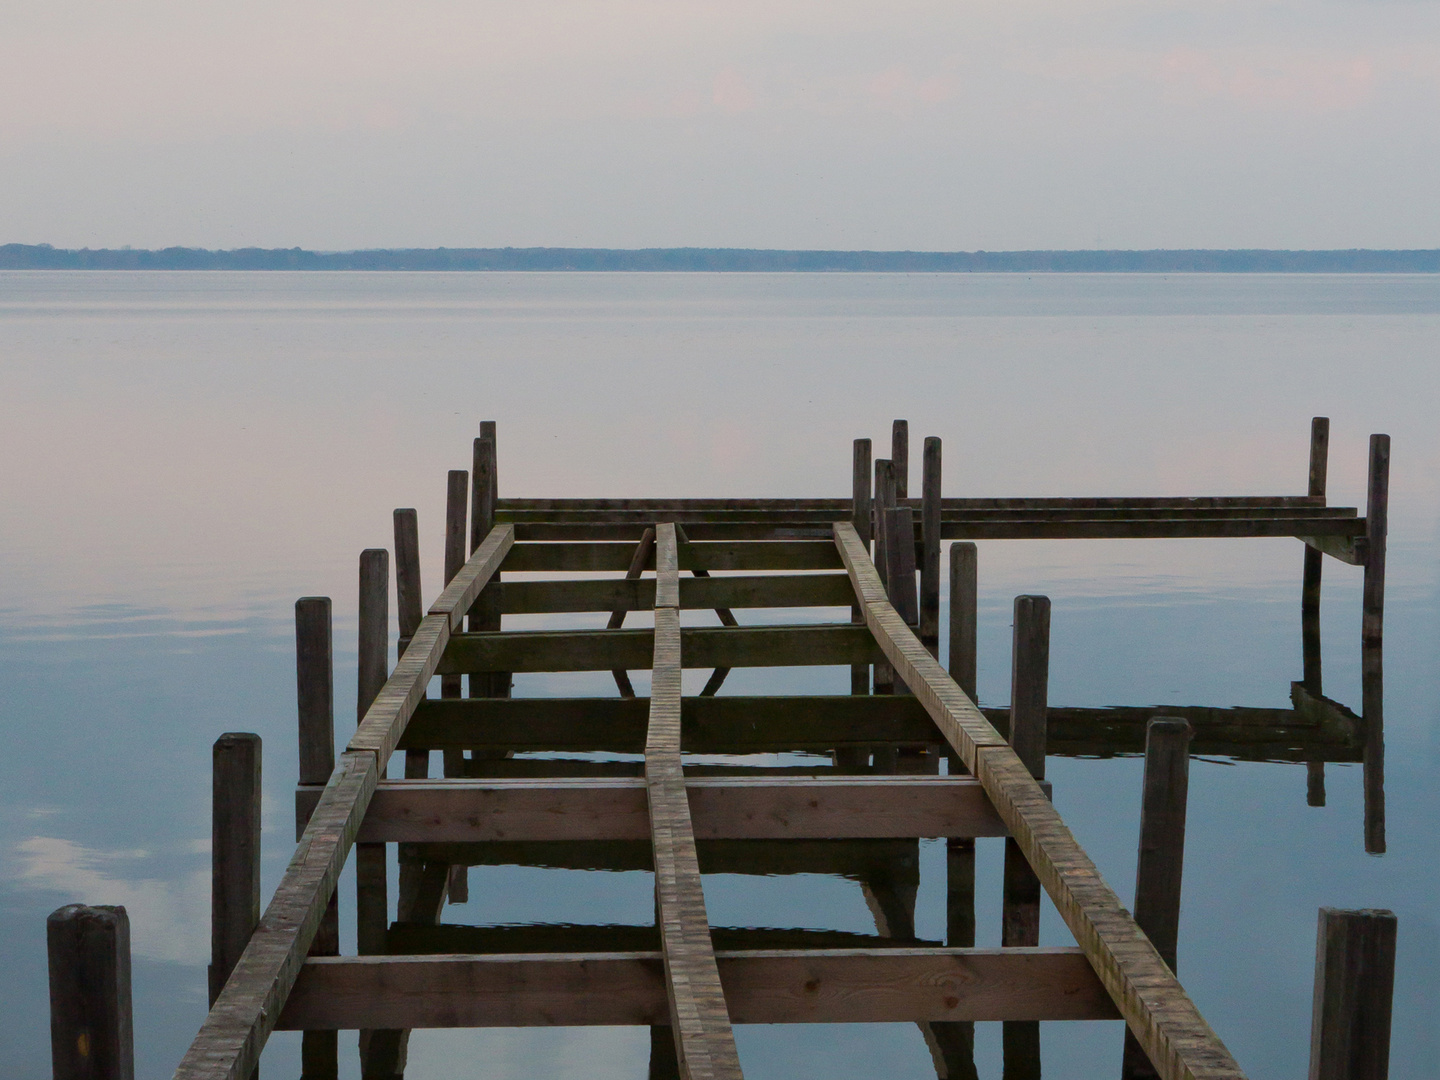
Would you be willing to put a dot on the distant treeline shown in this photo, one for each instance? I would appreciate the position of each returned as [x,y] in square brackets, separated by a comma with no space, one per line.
[1354,260]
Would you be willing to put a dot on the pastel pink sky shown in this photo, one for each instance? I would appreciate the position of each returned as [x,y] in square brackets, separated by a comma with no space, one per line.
[919,124]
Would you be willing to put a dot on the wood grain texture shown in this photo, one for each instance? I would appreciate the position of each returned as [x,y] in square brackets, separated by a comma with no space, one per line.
[721,808]
[1145,991]
[704,1043]
[773,986]
[1354,988]
[234,851]
[719,555]
[91,1017]
[900,457]
[315,688]
[930,544]
[964,615]
[705,646]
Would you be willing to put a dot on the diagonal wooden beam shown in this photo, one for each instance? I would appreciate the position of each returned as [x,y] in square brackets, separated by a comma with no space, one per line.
[643,552]
[704,1042]
[1174,1035]
[229,1042]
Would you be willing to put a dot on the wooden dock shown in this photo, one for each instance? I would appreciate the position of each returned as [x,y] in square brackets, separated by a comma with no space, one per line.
[906,754]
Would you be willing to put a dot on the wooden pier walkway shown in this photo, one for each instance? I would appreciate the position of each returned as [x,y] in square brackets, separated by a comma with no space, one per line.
[687,980]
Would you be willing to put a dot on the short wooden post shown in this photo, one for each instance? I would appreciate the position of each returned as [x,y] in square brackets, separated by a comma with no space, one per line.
[234,852]
[1029,714]
[930,534]
[860,517]
[372,902]
[1159,868]
[1354,987]
[408,613]
[91,1028]
[315,694]
[964,604]
[900,457]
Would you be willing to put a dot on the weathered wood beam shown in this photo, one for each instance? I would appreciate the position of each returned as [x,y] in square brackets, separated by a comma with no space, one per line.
[727,808]
[650,508]
[1154,1005]
[719,555]
[705,647]
[778,986]
[699,1019]
[229,1042]
[409,939]
[697,593]
[1313,530]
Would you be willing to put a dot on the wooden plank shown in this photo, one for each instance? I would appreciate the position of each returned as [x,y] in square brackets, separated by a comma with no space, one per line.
[700,1022]
[724,808]
[778,986]
[1354,988]
[730,724]
[465,586]
[629,594]
[991,510]
[1165,1021]
[705,646]
[1159,867]
[1156,529]
[651,508]
[719,555]
[408,939]
[91,1017]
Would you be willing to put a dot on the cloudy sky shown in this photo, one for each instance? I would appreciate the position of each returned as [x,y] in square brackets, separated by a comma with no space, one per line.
[755,123]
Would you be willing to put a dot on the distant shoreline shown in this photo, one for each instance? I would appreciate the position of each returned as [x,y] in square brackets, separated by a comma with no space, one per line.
[730,260]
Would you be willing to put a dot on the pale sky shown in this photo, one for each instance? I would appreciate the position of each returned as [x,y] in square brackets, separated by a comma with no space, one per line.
[783,123]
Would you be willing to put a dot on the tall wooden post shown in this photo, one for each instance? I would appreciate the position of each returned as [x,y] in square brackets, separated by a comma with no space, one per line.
[930,533]
[1372,709]
[408,599]
[900,457]
[1029,713]
[485,614]
[315,695]
[234,852]
[91,1028]
[371,889]
[1377,512]
[964,605]
[1159,868]
[1354,987]
[1310,598]
[884,500]
[860,518]
[900,573]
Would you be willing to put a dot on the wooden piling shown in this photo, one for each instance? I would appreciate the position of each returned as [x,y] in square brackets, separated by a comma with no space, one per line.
[900,457]
[457,494]
[485,614]
[1377,512]
[371,900]
[953,1042]
[900,577]
[964,604]
[234,852]
[930,532]
[1029,714]
[408,611]
[1372,711]
[1354,987]
[1158,870]
[91,1029]
[315,697]
[1310,598]
[861,509]
[884,500]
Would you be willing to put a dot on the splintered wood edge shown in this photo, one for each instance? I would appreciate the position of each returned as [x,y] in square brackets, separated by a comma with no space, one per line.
[705,1043]
[1167,1024]
[229,1042]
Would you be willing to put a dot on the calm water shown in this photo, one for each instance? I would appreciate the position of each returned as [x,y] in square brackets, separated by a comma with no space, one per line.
[183,455]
